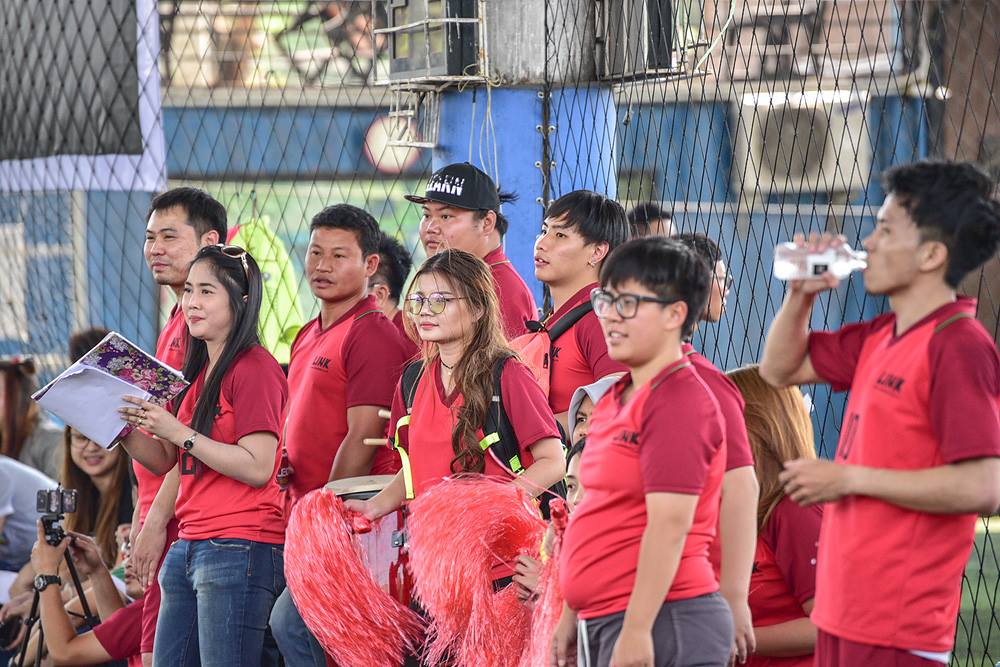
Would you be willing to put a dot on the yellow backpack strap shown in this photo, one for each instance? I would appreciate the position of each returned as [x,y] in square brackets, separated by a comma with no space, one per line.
[404,458]
[514,461]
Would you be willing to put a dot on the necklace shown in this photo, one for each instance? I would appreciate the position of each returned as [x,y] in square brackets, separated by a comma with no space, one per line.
[445,365]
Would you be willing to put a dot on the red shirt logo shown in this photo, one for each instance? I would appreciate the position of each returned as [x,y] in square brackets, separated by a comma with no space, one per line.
[321,363]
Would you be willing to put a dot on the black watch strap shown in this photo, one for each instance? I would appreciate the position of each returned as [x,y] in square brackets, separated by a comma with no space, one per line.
[43,581]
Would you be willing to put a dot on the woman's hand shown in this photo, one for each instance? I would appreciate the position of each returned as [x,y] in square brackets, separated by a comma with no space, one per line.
[154,419]
[366,508]
[146,553]
[526,573]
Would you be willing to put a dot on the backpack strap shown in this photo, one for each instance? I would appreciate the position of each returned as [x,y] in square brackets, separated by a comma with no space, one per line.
[408,388]
[497,430]
[566,322]
[951,320]
[500,436]
[409,380]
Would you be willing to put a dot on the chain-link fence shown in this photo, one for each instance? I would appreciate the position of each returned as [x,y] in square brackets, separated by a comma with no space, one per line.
[748,120]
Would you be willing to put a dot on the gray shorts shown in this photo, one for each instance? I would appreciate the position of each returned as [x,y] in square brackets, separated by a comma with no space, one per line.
[687,633]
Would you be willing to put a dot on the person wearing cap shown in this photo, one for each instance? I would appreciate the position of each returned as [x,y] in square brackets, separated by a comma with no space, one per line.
[461,211]
[582,405]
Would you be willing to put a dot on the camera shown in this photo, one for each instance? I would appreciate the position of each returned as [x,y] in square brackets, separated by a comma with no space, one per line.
[53,504]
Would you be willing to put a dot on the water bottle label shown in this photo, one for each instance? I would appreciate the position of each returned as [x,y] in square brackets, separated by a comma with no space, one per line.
[817,265]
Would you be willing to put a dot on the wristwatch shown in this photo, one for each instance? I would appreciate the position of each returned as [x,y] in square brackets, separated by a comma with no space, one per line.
[189,443]
[43,581]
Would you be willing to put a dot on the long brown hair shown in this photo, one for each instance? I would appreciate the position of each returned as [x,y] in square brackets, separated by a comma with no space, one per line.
[470,279]
[779,429]
[96,515]
[21,415]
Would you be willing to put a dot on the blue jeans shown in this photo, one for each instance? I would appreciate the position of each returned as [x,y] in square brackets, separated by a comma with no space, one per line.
[297,645]
[217,595]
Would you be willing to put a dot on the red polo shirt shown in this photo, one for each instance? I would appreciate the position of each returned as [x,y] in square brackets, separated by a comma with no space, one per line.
[731,405]
[210,504]
[354,361]
[410,348]
[579,356]
[889,576]
[667,438]
[784,572]
[517,305]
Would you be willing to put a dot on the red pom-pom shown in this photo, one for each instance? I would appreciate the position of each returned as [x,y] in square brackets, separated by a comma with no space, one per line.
[355,621]
[458,530]
[549,603]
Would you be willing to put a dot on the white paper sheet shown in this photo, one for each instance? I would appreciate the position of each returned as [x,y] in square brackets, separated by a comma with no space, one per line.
[88,399]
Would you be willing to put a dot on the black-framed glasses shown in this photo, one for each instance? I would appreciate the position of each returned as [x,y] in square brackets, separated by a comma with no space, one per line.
[436,303]
[239,253]
[625,304]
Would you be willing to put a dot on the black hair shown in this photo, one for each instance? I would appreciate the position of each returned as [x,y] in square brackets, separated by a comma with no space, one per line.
[352,218]
[204,212]
[502,224]
[950,202]
[595,217]
[665,267]
[244,290]
[576,449]
[703,246]
[83,341]
[642,217]
[394,264]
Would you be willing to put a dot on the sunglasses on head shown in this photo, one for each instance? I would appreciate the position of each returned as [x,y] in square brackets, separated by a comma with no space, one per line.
[239,253]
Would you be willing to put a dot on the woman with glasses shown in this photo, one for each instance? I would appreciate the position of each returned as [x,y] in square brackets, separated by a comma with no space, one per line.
[453,308]
[634,568]
[220,579]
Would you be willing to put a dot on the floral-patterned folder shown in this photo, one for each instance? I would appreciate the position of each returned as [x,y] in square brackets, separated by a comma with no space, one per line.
[87,395]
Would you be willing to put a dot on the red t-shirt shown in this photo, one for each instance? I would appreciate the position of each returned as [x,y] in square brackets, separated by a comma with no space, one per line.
[354,361]
[784,572]
[517,305]
[210,504]
[410,348]
[170,348]
[890,576]
[171,344]
[667,438]
[427,439]
[579,356]
[731,405]
[121,632]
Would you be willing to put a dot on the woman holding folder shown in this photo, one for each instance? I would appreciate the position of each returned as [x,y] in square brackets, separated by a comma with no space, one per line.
[223,431]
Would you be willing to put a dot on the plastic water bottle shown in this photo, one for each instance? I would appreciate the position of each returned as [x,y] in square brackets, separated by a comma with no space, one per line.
[794,262]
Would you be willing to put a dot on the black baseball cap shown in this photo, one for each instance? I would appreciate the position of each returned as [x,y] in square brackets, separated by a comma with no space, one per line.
[461,185]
